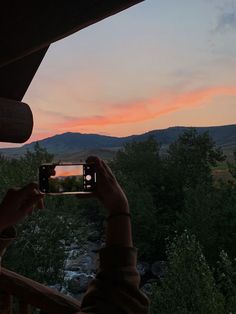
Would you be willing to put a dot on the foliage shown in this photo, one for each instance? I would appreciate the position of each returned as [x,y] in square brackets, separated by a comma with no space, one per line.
[39,250]
[226,281]
[189,285]
[137,168]
[192,156]
[19,172]
[167,193]
[210,213]
[165,190]
[232,166]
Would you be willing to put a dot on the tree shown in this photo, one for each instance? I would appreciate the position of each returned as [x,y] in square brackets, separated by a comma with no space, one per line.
[39,250]
[232,166]
[189,286]
[139,162]
[192,157]
[30,162]
[226,281]
[189,164]
[19,172]
[138,170]
[209,212]
[200,215]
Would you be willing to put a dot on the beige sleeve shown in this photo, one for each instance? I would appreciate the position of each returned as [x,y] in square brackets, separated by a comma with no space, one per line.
[116,287]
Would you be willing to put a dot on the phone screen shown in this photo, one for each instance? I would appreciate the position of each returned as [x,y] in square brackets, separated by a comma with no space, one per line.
[66,179]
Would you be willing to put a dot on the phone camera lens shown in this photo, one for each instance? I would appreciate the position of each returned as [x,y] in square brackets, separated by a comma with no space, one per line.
[88,177]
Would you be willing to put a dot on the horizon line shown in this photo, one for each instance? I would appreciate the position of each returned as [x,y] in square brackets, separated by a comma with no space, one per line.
[170,127]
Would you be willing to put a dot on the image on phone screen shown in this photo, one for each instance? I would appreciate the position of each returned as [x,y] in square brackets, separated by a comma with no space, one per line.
[66,179]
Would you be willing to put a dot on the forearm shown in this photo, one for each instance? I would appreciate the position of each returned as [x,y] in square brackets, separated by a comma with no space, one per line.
[116,287]
[119,231]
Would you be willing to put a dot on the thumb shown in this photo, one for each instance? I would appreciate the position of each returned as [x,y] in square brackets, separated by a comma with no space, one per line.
[28,205]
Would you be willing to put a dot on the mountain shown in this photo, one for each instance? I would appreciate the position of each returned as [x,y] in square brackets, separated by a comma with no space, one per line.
[70,146]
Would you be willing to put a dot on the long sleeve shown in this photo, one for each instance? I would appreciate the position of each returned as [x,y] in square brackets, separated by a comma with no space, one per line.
[116,287]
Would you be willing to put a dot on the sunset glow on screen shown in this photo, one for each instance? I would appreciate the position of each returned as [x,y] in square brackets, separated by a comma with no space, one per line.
[73,170]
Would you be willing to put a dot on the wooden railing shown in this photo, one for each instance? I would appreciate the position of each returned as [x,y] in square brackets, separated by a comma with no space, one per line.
[29,293]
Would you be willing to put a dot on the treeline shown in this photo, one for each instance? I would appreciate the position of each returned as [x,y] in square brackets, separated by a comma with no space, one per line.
[178,192]
[180,213]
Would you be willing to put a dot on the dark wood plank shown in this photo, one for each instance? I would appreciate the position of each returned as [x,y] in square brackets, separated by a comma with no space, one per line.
[28,26]
[24,308]
[5,302]
[16,77]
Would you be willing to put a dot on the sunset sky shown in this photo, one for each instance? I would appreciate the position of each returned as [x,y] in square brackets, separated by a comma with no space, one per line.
[158,64]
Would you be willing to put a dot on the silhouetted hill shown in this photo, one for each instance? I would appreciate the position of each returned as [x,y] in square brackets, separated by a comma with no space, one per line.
[71,145]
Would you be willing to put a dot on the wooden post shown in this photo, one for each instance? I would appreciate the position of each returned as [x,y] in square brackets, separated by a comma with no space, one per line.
[16,121]
[5,303]
[24,308]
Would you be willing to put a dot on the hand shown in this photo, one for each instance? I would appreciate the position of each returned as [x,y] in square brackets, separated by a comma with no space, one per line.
[108,189]
[17,204]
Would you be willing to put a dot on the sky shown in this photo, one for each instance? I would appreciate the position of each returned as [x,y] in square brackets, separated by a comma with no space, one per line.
[158,64]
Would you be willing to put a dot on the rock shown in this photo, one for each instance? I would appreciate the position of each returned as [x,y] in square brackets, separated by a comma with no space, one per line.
[147,288]
[79,283]
[93,246]
[159,269]
[94,236]
[71,254]
[83,259]
[74,246]
[72,265]
[86,263]
[143,268]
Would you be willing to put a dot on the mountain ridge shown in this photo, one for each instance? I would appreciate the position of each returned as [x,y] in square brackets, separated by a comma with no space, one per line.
[72,143]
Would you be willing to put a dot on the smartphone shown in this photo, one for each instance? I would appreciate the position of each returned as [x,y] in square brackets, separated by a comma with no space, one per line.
[65,178]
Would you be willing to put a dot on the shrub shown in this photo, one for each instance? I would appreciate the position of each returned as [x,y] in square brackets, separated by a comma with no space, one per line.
[189,286]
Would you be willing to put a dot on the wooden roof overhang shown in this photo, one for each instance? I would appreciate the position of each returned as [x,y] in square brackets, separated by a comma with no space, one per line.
[27,30]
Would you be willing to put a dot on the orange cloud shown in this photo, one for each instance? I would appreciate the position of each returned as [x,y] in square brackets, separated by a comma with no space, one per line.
[147,110]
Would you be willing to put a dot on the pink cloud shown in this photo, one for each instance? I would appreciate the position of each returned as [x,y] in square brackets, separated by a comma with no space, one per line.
[146,110]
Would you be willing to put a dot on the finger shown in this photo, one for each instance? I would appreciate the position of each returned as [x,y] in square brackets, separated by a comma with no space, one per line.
[30,186]
[98,164]
[29,189]
[10,195]
[107,168]
[40,204]
[93,159]
[53,173]
[28,205]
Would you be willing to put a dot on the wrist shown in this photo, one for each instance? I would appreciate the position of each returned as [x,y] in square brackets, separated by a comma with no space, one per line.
[117,215]
[118,209]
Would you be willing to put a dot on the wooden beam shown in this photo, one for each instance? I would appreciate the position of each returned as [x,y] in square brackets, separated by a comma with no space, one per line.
[5,302]
[16,77]
[29,26]
[36,294]
[16,121]
[24,308]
